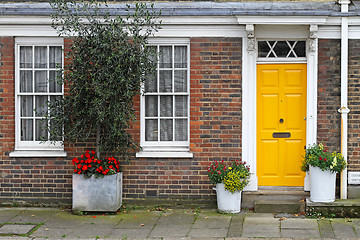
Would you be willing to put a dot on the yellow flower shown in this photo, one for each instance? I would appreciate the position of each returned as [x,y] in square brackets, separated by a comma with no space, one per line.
[229,168]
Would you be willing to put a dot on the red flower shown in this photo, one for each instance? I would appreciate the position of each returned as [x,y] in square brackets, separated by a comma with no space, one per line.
[92,152]
[325,159]
[320,158]
[85,167]
[79,166]
[219,172]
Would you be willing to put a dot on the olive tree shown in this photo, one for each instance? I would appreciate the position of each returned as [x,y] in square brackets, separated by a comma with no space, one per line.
[107,62]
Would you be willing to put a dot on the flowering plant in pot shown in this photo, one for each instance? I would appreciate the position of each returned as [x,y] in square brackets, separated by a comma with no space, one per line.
[317,156]
[322,166]
[88,164]
[230,179]
[97,183]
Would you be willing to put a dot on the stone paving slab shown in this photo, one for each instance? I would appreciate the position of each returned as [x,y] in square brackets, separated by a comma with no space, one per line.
[293,223]
[138,220]
[209,233]
[177,217]
[50,232]
[130,233]
[264,227]
[36,216]
[7,214]
[236,225]
[170,231]
[300,233]
[211,221]
[16,229]
[343,229]
[326,230]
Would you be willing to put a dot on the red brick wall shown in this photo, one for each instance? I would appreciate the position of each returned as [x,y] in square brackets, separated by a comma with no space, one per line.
[25,179]
[215,126]
[215,133]
[354,105]
[329,93]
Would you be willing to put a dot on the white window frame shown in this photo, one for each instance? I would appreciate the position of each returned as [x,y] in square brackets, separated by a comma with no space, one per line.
[172,149]
[33,148]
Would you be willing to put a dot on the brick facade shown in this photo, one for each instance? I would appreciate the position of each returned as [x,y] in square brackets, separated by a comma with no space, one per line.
[329,94]
[215,126]
[354,106]
[215,133]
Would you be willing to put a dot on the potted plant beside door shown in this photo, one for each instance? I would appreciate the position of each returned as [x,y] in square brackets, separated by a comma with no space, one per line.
[322,166]
[230,179]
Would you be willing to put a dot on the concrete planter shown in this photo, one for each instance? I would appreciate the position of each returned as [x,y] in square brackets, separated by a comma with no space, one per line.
[227,202]
[322,185]
[97,194]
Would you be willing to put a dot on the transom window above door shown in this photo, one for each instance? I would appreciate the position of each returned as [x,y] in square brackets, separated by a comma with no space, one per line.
[281,49]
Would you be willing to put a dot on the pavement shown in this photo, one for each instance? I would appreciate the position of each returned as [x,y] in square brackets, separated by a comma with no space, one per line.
[52,223]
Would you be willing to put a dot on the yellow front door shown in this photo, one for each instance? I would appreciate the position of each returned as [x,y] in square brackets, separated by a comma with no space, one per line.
[281,124]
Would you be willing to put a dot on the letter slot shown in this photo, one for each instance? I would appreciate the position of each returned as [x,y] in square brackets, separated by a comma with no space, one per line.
[281,135]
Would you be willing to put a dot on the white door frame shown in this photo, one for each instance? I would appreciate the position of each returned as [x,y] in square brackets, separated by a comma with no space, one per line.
[249,94]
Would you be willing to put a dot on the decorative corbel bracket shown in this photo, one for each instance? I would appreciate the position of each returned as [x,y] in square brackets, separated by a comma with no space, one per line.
[313,38]
[250,29]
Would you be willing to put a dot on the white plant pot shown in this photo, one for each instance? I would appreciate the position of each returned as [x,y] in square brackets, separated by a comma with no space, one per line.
[227,202]
[322,185]
[97,194]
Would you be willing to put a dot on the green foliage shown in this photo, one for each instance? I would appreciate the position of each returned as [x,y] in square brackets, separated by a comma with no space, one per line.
[235,174]
[317,156]
[107,62]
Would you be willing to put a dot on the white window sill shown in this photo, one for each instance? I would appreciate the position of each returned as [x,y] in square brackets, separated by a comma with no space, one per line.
[168,153]
[38,153]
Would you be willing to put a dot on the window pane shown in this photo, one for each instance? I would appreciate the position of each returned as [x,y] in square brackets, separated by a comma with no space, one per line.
[55,57]
[26,57]
[263,48]
[54,98]
[180,79]
[41,133]
[151,84]
[165,81]
[151,130]
[300,49]
[40,81]
[40,57]
[181,130]
[181,106]
[151,106]
[166,106]
[281,49]
[165,60]
[166,130]
[27,106]
[180,56]
[40,106]
[26,81]
[27,130]
[54,78]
